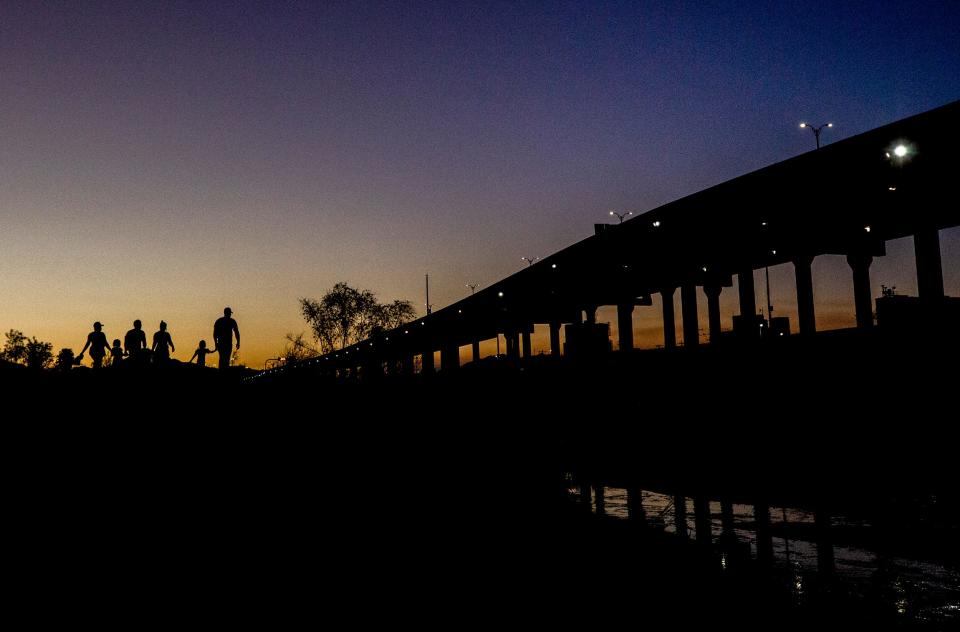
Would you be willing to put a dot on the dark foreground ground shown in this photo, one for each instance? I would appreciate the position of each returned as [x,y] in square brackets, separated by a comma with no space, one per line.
[185,497]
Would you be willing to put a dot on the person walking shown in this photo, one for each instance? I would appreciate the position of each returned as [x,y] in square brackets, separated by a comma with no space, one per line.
[162,344]
[223,331]
[135,342]
[97,341]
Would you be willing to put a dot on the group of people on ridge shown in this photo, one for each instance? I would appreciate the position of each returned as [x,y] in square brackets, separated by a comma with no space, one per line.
[135,344]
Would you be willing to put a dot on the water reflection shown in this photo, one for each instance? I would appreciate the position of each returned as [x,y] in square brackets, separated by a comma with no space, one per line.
[803,556]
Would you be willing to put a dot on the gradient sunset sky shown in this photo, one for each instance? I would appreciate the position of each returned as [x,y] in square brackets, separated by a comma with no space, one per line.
[163,160]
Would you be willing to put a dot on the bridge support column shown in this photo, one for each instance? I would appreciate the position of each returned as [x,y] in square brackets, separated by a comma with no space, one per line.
[726,516]
[555,339]
[513,345]
[406,364]
[585,495]
[476,350]
[426,361]
[713,311]
[748,295]
[601,500]
[761,513]
[680,515]
[591,314]
[860,264]
[926,247]
[701,516]
[805,306]
[825,559]
[669,321]
[449,357]
[625,326]
[691,321]
[635,512]
[527,347]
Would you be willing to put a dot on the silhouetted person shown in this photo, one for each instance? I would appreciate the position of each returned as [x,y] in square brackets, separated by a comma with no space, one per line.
[201,354]
[135,342]
[97,341]
[223,330]
[116,354]
[162,344]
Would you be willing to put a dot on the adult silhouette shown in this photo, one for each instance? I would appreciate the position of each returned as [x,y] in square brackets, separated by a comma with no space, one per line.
[162,344]
[97,341]
[223,330]
[135,341]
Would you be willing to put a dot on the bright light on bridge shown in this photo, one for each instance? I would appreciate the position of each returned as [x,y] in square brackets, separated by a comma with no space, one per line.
[900,151]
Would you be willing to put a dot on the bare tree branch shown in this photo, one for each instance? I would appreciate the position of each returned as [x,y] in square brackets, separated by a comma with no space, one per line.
[345,315]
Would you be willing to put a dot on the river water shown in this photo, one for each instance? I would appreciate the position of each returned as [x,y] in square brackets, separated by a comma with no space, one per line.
[921,591]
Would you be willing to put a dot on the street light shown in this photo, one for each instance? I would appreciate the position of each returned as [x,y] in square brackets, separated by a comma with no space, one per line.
[621,216]
[473,287]
[901,152]
[816,130]
[530,260]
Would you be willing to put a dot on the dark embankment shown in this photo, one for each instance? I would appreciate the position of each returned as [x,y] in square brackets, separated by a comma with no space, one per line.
[439,500]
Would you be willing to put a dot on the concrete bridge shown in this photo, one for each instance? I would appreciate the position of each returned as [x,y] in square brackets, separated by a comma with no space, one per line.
[848,198]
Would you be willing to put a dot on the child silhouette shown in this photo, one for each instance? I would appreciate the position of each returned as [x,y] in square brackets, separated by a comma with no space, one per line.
[116,353]
[201,353]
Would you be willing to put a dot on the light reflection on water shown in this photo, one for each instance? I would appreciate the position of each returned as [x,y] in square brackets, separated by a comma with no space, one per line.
[916,589]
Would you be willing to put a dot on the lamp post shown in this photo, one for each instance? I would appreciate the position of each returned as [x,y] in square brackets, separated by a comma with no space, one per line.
[621,216]
[473,287]
[429,306]
[816,130]
[766,269]
[530,260]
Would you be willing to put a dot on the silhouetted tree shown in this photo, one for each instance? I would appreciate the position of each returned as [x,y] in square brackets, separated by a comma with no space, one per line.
[297,349]
[346,315]
[64,360]
[34,353]
[39,354]
[15,347]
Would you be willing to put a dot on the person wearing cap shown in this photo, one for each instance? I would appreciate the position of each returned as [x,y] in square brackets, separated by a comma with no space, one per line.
[97,341]
[223,331]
